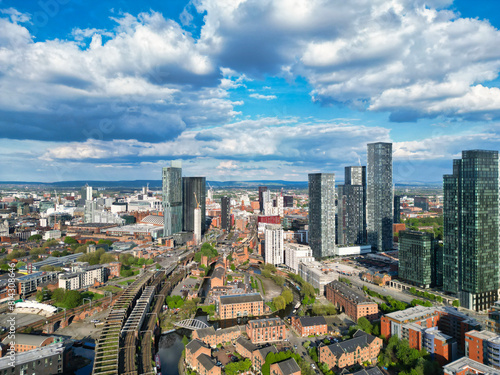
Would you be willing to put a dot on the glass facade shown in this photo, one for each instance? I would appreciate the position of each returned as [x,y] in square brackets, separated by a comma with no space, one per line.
[190,187]
[418,258]
[379,196]
[322,214]
[172,198]
[225,211]
[471,231]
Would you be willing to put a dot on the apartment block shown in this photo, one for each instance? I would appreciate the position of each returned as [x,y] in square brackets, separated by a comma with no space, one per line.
[230,307]
[263,331]
[46,360]
[483,347]
[27,284]
[244,347]
[88,277]
[286,367]
[296,253]
[350,301]
[310,325]
[315,274]
[467,366]
[361,348]
[213,338]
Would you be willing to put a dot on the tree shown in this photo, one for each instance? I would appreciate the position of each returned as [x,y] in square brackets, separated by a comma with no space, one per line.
[185,340]
[365,325]
[279,302]
[72,299]
[287,295]
[106,258]
[456,303]
[70,240]
[233,267]
[35,237]
[107,242]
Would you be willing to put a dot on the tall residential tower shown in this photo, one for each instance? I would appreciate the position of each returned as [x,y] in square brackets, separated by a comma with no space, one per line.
[379,196]
[322,214]
[172,198]
[470,229]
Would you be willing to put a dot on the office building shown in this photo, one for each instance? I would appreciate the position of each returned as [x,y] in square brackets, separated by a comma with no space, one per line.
[193,196]
[470,230]
[397,209]
[274,249]
[225,211]
[419,262]
[322,214]
[172,198]
[379,196]
[288,200]
[421,202]
[351,207]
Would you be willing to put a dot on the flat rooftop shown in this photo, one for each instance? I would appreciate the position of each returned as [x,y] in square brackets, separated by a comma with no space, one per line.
[241,298]
[463,364]
[350,293]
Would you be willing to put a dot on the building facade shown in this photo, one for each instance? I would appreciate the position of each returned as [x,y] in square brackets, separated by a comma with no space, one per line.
[231,307]
[351,207]
[310,325]
[295,254]
[353,303]
[193,196]
[471,231]
[483,347]
[262,331]
[225,211]
[379,196]
[172,198]
[397,209]
[46,360]
[274,247]
[419,261]
[322,214]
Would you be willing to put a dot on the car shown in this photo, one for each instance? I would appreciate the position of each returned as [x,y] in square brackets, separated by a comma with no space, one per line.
[295,346]
[313,366]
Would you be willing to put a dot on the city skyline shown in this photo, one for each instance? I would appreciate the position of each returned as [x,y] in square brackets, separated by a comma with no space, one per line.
[257,90]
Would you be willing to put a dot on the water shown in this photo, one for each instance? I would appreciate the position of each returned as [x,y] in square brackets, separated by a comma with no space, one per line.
[87,353]
[170,350]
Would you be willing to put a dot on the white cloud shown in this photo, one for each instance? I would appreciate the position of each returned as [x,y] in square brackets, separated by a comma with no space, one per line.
[263,97]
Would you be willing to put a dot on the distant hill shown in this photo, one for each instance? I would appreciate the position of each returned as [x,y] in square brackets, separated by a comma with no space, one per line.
[156,184]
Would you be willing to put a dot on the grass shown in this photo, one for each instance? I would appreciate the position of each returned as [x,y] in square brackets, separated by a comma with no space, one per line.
[111,288]
[261,286]
[94,296]
[126,282]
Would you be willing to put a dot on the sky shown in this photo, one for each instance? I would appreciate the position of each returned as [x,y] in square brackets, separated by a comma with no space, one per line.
[244,89]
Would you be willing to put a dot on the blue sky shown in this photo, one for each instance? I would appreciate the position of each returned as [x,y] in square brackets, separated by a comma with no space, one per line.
[244,89]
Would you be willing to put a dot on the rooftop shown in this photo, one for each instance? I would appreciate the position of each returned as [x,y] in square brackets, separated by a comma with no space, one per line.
[247,344]
[269,322]
[288,366]
[32,355]
[463,364]
[25,339]
[206,361]
[241,298]
[308,321]
[349,293]
[483,335]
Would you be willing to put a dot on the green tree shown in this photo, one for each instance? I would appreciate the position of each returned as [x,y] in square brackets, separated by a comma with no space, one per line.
[456,303]
[287,295]
[35,237]
[106,242]
[70,240]
[185,340]
[279,303]
[365,325]
[72,299]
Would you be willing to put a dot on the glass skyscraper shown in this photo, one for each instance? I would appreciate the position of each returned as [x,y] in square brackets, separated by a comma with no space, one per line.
[225,211]
[322,214]
[190,187]
[379,196]
[351,207]
[172,198]
[470,228]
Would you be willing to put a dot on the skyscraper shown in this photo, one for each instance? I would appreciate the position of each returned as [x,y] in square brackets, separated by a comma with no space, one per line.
[274,249]
[190,187]
[262,189]
[419,258]
[225,211]
[379,196]
[397,209]
[351,207]
[172,198]
[470,229]
[322,214]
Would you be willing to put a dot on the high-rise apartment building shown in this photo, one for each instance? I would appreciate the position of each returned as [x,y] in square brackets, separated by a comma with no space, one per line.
[379,196]
[262,189]
[225,211]
[274,249]
[397,209]
[470,230]
[172,198]
[351,207]
[419,262]
[322,214]
[193,195]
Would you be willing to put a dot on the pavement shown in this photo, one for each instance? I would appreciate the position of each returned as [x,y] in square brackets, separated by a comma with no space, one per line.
[84,329]
[186,284]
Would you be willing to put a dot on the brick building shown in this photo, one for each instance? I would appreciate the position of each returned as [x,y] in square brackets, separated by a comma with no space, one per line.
[467,366]
[449,321]
[198,358]
[262,331]
[230,307]
[259,356]
[361,348]
[441,347]
[310,326]
[353,303]
[114,269]
[244,347]
[483,347]
[218,277]
[213,338]
[286,367]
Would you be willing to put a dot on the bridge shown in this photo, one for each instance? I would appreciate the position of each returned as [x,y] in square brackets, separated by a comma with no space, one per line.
[192,324]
